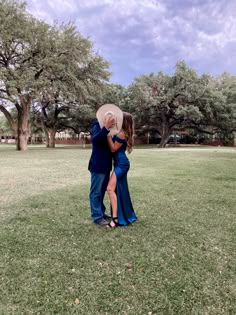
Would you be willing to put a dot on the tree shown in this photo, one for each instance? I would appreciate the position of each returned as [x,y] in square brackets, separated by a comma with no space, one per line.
[77,83]
[43,64]
[162,102]
[115,94]
[226,85]
[22,41]
[218,106]
[79,119]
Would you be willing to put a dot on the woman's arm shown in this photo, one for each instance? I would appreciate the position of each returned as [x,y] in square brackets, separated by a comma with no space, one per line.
[114,146]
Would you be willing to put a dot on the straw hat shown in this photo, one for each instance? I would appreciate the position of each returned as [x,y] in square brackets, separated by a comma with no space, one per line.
[110,110]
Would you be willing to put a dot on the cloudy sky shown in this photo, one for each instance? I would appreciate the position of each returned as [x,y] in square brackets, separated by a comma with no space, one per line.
[143,36]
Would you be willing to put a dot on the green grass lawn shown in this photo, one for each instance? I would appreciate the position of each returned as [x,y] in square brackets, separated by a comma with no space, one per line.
[178,258]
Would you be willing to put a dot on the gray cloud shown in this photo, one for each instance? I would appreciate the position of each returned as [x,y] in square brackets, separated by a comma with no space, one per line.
[142,36]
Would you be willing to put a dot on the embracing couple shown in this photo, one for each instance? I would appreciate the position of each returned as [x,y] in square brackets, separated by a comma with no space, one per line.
[112,136]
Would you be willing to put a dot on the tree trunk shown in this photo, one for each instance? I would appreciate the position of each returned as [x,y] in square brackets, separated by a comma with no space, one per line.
[23,124]
[47,137]
[165,134]
[175,138]
[45,129]
[22,140]
[50,137]
[52,134]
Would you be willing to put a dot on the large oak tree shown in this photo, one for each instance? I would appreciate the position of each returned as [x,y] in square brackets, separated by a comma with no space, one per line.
[43,64]
[167,102]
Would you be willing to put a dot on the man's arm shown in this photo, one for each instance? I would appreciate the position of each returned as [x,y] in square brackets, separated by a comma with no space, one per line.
[99,134]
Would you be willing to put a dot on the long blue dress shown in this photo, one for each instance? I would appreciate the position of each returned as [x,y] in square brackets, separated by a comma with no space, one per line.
[125,211]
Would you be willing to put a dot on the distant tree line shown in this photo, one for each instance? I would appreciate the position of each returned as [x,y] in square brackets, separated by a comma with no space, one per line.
[184,100]
[52,80]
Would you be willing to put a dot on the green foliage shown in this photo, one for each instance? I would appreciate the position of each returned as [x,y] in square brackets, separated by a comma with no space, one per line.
[72,79]
[116,94]
[23,39]
[4,125]
[51,66]
[226,85]
[55,68]
[78,118]
[164,102]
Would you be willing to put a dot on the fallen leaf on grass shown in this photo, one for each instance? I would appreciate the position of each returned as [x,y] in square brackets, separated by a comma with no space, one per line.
[77,301]
[128,265]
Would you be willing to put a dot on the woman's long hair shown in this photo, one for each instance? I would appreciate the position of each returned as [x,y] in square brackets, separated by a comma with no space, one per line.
[128,127]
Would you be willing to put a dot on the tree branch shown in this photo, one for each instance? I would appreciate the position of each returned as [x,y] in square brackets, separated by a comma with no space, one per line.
[8,117]
[37,74]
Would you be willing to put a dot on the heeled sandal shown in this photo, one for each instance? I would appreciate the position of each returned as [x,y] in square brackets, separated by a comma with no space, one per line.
[115,221]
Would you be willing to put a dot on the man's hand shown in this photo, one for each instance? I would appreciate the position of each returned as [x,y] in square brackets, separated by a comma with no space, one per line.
[109,121]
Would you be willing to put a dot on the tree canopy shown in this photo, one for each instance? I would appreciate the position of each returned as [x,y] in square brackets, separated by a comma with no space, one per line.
[50,72]
[43,64]
[166,102]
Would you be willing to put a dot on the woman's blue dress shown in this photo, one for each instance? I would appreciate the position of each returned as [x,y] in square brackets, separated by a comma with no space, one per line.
[125,211]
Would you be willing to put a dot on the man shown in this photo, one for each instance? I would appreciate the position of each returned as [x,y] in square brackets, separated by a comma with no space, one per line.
[100,165]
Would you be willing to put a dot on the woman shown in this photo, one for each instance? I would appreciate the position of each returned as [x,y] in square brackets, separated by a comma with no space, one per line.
[118,191]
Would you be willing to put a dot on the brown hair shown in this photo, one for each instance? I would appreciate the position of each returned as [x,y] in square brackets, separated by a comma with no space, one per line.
[128,127]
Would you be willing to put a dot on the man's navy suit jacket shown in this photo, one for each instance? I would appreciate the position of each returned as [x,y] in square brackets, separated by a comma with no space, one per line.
[101,157]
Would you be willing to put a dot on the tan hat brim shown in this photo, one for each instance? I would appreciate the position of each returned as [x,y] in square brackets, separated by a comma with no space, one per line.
[110,109]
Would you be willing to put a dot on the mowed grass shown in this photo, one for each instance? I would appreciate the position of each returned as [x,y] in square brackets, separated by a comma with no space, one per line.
[178,258]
